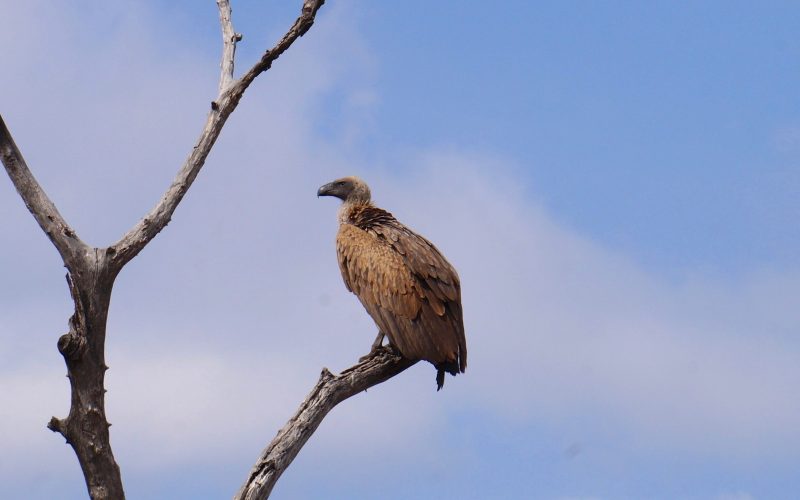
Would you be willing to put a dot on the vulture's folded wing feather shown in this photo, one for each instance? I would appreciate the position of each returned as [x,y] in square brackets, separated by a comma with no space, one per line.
[406,285]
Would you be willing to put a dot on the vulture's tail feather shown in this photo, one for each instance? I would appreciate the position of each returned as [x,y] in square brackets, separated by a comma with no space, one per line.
[449,367]
[439,378]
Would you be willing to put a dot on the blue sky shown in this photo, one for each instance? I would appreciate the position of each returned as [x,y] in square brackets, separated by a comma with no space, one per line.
[616,182]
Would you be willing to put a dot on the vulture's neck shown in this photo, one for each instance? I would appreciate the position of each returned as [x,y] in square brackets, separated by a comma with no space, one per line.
[349,207]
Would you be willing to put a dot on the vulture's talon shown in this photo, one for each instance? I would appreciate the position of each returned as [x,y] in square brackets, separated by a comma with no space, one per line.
[375,351]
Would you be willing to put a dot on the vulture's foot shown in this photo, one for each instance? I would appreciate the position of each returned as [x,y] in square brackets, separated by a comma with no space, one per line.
[376,349]
[380,350]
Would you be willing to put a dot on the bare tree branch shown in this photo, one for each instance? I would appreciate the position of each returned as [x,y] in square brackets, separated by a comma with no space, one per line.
[229,39]
[329,391]
[73,251]
[152,223]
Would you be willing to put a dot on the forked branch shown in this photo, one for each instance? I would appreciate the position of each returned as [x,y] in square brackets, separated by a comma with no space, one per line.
[329,391]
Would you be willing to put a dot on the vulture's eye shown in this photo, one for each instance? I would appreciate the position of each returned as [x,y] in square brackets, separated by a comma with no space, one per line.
[340,183]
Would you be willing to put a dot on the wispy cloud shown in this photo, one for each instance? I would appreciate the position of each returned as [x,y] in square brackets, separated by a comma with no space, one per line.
[560,325]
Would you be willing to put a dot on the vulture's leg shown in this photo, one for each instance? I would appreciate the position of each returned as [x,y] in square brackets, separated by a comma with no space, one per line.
[376,346]
[378,341]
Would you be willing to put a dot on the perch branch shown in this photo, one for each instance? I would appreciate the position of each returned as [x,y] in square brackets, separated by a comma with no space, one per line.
[73,251]
[146,229]
[329,391]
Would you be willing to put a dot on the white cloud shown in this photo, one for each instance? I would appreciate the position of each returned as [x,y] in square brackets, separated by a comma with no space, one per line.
[700,366]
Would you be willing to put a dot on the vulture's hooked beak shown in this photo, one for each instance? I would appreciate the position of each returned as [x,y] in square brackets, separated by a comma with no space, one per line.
[340,188]
[325,190]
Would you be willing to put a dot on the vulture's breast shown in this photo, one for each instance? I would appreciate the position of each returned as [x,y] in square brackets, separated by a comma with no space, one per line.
[375,272]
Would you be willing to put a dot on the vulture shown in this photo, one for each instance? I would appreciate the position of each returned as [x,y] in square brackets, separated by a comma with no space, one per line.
[406,285]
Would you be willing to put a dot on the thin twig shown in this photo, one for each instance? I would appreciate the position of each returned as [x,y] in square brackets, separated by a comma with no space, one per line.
[298,29]
[229,39]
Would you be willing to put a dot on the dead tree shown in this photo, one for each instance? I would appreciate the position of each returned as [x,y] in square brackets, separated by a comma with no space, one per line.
[91,273]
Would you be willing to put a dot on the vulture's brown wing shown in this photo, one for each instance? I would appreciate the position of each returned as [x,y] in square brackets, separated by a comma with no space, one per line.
[407,286]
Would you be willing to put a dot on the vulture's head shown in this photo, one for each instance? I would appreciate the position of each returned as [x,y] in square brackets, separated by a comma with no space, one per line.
[347,189]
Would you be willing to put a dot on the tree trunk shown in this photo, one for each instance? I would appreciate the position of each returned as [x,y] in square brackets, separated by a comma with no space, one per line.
[86,426]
